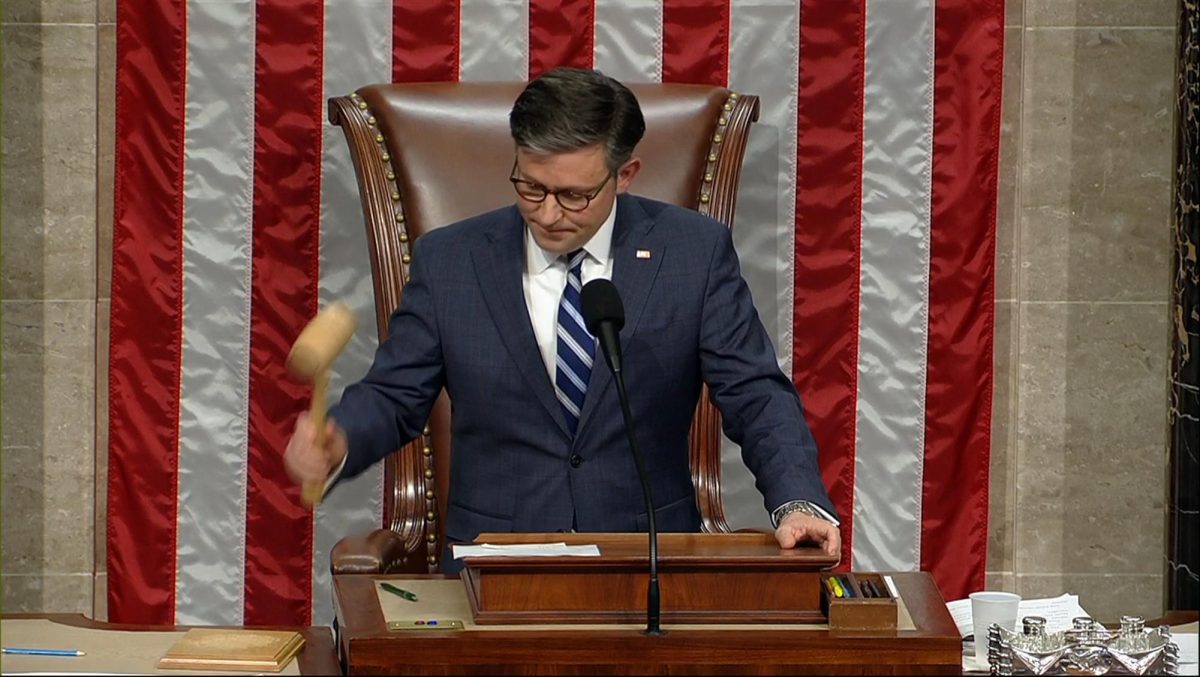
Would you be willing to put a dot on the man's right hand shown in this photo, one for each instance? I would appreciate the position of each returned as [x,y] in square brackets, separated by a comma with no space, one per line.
[308,463]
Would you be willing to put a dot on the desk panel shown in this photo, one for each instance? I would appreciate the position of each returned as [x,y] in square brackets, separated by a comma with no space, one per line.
[128,649]
[928,644]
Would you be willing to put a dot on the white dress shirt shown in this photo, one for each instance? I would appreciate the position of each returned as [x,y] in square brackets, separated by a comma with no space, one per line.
[545,277]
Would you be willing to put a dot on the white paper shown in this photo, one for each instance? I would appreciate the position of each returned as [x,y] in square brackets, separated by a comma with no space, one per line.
[960,611]
[1188,650]
[1058,612]
[891,586]
[972,664]
[525,550]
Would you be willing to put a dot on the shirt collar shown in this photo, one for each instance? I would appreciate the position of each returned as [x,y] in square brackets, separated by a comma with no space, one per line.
[599,247]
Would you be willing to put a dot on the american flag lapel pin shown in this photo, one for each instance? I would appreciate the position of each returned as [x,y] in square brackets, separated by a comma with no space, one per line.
[643,253]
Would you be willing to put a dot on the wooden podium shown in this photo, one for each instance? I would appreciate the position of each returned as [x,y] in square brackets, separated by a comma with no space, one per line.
[731,604]
[704,578]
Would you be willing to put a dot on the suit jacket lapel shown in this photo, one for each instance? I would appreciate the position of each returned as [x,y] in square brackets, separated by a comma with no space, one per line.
[499,269]
[637,254]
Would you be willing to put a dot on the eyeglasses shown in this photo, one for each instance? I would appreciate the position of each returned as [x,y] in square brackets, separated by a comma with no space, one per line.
[567,199]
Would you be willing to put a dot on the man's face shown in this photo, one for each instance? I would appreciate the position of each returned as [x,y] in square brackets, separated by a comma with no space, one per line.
[582,172]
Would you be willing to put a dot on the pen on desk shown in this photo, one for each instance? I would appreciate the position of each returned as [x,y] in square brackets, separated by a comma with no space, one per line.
[847,586]
[875,590]
[399,591]
[40,652]
[836,587]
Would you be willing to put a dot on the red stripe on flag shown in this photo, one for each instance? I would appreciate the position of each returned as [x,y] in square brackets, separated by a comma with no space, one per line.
[425,40]
[561,33]
[289,111]
[147,311]
[695,42]
[828,237]
[968,49]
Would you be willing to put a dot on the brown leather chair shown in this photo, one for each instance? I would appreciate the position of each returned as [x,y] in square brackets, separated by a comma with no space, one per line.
[430,154]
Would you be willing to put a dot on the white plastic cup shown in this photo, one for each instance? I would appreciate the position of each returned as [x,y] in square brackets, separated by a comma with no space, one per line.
[989,607]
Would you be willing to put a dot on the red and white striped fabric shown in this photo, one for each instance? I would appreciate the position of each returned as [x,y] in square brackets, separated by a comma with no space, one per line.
[865,226]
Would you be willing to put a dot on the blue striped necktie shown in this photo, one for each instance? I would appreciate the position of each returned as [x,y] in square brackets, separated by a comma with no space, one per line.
[576,347]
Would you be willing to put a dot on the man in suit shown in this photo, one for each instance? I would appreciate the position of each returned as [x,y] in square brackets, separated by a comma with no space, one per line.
[491,314]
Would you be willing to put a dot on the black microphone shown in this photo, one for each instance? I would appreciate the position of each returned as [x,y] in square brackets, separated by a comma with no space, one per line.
[604,316]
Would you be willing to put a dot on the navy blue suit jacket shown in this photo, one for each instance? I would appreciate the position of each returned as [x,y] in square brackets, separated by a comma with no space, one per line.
[463,325]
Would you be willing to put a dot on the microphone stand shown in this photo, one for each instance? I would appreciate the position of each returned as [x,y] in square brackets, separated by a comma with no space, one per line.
[652,595]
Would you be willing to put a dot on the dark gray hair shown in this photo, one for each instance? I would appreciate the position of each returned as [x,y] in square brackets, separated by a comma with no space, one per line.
[566,109]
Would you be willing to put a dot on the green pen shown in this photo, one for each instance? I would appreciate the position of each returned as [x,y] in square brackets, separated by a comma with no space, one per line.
[399,591]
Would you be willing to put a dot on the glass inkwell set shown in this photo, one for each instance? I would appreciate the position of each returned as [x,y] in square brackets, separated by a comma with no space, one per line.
[1087,648]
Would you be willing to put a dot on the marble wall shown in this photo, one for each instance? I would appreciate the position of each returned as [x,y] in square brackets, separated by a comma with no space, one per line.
[55,208]
[1083,277]
[1183,417]
[1082,273]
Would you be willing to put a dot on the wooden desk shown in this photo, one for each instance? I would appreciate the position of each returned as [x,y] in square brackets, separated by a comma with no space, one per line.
[316,658]
[932,646]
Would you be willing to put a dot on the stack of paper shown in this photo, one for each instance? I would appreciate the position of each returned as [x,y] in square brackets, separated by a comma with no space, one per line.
[525,550]
[1058,612]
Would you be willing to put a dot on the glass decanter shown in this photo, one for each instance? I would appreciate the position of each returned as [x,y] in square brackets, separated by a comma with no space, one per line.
[1087,648]
[1137,648]
[1037,649]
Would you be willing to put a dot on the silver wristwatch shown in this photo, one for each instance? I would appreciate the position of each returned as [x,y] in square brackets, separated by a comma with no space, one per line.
[805,507]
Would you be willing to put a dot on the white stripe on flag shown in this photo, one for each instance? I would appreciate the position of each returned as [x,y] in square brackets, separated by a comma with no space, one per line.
[629,40]
[358,51]
[494,40]
[764,222]
[214,387]
[893,332]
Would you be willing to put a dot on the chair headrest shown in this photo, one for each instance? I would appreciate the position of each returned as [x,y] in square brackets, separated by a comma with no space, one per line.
[451,149]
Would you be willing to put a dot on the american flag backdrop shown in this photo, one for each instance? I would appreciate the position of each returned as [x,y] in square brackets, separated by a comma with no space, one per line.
[865,225]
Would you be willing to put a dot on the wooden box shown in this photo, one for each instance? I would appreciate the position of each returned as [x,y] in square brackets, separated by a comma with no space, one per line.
[858,601]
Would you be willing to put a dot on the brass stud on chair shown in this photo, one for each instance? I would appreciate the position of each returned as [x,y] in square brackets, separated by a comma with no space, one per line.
[406,258]
[403,236]
[386,156]
[395,196]
[371,120]
[391,175]
[429,494]
[704,198]
[723,121]
[429,473]
[432,559]
[362,105]
[734,95]
[427,450]
[717,137]
[399,217]
[712,156]
[708,177]
[432,538]
[728,107]
[379,138]
[426,430]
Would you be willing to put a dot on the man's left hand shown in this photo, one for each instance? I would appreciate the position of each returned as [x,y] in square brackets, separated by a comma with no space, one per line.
[797,527]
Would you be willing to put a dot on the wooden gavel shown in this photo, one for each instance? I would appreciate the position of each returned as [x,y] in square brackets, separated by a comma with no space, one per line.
[311,357]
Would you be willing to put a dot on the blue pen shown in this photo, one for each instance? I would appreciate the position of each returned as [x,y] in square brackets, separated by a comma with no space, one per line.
[41,652]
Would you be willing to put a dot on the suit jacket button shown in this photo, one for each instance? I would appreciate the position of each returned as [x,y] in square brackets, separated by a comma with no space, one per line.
[576,459]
